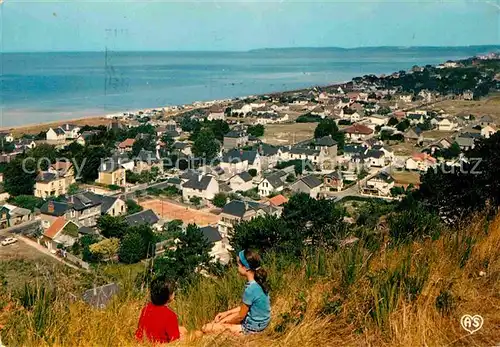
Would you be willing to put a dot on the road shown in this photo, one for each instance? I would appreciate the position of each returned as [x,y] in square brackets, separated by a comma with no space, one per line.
[354,189]
[44,250]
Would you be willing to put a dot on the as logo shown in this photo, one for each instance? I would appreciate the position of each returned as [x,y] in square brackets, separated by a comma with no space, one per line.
[472,323]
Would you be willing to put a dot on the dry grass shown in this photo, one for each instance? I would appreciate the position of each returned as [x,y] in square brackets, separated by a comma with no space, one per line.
[406,177]
[302,291]
[489,105]
[36,128]
[288,134]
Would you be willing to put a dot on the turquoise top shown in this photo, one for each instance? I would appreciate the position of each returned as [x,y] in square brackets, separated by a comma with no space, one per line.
[259,313]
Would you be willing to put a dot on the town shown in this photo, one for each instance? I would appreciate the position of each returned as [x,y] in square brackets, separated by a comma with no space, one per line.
[69,190]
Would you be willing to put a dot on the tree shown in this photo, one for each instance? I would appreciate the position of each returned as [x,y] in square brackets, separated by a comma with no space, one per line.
[392,121]
[73,188]
[252,172]
[195,200]
[256,130]
[328,127]
[403,125]
[137,244]
[206,145]
[132,248]
[105,249]
[147,144]
[220,200]
[112,226]
[133,207]
[26,201]
[190,256]
[413,224]
[19,178]
[266,233]
[90,160]
[318,221]
[85,242]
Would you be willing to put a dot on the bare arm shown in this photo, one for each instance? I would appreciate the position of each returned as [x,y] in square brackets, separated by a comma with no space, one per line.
[222,315]
[241,314]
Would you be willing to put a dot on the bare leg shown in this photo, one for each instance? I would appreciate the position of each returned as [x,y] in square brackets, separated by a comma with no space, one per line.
[215,328]
[229,318]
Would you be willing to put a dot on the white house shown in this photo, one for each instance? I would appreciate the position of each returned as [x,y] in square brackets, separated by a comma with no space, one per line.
[420,161]
[310,185]
[55,135]
[244,110]
[446,125]
[380,184]
[216,113]
[220,245]
[202,186]
[487,131]
[272,184]
[236,161]
[71,131]
[241,182]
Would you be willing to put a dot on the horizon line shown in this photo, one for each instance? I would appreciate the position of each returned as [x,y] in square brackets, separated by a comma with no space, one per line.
[252,49]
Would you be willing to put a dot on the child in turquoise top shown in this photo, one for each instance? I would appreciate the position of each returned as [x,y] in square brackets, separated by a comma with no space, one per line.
[254,314]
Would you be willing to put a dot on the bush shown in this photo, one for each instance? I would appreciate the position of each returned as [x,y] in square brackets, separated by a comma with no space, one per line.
[133,207]
[252,172]
[220,200]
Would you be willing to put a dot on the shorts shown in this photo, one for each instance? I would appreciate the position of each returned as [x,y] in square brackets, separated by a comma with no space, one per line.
[253,328]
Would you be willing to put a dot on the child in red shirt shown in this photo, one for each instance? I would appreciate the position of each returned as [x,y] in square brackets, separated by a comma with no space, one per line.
[158,323]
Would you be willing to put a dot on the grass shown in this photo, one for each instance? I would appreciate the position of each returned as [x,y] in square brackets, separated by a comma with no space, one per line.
[488,105]
[409,295]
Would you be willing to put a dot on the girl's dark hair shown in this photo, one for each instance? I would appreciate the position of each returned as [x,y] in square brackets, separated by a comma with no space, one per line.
[254,260]
[161,290]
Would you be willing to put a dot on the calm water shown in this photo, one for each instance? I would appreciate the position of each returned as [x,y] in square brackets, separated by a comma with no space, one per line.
[39,87]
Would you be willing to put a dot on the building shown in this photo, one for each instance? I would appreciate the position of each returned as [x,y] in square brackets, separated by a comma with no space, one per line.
[333,181]
[146,217]
[414,135]
[64,169]
[61,232]
[237,211]
[273,183]
[235,139]
[220,245]
[11,215]
[55,135]
[202,186]
[82,208]
[216,113]
[241,182]
[468,95]
[236,161]
[311,185]
[380,184]
[487,131]
[71,131]
[126,145]
[421,162]
[111,173]
[48,184]
[147,160]
[446,125]
[358,132]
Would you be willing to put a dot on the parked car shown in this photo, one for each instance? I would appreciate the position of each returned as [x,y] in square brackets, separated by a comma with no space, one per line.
[9,241]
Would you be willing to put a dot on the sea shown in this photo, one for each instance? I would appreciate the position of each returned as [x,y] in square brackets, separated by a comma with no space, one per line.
[42,87]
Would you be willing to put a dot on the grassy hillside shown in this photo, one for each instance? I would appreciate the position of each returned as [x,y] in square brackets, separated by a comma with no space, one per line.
[413,295]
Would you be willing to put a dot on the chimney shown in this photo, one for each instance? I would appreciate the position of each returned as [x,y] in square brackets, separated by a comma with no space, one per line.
[50,207]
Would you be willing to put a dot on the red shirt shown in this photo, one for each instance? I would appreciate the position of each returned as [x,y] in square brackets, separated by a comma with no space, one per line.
[158,324]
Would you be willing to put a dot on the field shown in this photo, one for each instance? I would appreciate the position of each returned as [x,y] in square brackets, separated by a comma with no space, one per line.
[169,211]
[406,177]
[489,105]
[288,134]
[36,128]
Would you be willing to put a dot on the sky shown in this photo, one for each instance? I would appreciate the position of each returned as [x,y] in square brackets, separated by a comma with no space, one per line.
[238,25]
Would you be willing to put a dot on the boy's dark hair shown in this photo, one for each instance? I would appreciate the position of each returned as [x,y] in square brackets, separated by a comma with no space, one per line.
[161,290]
[254,260]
